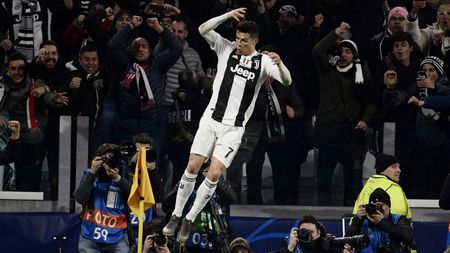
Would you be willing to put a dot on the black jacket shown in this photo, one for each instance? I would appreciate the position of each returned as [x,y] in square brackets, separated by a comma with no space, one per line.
[444,200]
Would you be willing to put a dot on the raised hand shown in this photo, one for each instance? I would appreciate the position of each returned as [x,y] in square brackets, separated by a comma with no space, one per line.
[154,23]
[14,126]
[237,14]
[136,21]
[342,29]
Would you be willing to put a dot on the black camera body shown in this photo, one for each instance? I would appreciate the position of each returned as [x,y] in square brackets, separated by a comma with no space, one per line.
[160,239]
[373,207]
[304,235]
[112,161]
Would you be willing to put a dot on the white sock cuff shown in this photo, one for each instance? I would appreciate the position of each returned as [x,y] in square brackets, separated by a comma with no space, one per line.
[188,177]
[210,183]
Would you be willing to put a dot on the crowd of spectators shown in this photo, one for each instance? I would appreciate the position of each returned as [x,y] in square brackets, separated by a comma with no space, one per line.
[140,66]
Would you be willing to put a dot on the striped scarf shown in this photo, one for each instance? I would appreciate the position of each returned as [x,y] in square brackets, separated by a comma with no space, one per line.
[29,34]
[137,72]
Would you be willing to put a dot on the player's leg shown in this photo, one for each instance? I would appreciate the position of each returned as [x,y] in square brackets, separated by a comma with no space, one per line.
[201,148]
[227,144]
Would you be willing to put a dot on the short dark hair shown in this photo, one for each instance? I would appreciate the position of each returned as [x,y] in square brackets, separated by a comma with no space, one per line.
[402,36]
[15,56]
[143,138]
[311,219]
[106,148]
[185,19]
[48,43]
[250,27]
[87,48]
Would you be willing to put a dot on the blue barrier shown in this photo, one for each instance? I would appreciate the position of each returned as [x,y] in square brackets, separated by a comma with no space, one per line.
[34,232]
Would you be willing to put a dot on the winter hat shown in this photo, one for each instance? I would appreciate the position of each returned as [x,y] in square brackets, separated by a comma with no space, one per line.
[383,161]
[359,78]
[437,63]
[239,241]
[349,44]
[380,195]
[398,11]
[288,9]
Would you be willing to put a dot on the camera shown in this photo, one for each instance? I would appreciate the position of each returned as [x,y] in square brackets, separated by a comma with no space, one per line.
[373,207]
[111,160]
[304,235]
[160,239]
[356,241]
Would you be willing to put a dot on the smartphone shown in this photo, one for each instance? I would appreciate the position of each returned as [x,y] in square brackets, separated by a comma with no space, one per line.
[421,74]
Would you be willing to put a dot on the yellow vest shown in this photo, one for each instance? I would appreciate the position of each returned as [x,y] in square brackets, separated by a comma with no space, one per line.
[399,202]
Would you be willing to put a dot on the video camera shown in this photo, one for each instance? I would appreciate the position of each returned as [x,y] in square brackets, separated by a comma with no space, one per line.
[373,207]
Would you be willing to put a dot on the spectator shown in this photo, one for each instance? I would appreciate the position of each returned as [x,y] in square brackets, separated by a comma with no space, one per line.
[242,71]
[24,25]
[387,177]
[141,91]
[387,231]
[87,85]
[433,40]
[432,129]
[103,192]
[392,80]
[382,42]
[25,100]
[189,96]
[48,68]
[282,107]
[345,111]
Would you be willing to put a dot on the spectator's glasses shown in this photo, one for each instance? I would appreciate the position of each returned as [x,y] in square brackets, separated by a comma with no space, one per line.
[441,13]
[397,19]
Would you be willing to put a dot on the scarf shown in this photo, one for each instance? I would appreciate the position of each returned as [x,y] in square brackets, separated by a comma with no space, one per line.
[32,122]
[29,34]
[274,116]
[137,72]
[359,78]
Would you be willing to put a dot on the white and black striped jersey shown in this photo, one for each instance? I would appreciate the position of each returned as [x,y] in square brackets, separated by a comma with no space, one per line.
[237,83]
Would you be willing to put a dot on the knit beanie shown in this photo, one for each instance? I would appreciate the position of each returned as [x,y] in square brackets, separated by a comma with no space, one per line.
[359,78]
[380,195]
[383,161]
[398,11]
[437,63]
[349,44]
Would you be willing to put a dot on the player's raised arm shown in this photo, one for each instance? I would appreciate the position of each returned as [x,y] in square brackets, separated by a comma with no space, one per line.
[281,72]
[207,29]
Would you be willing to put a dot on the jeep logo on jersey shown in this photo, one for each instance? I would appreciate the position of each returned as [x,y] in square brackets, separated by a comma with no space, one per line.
[245,73]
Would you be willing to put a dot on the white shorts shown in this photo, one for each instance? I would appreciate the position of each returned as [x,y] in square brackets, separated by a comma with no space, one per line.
[220,140]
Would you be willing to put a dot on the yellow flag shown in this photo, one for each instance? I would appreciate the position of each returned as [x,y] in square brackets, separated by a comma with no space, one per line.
[141,190]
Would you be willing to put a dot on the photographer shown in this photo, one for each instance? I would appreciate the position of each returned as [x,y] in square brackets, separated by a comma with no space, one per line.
[103,192]
[307,238]
[155,241]
[388,232]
